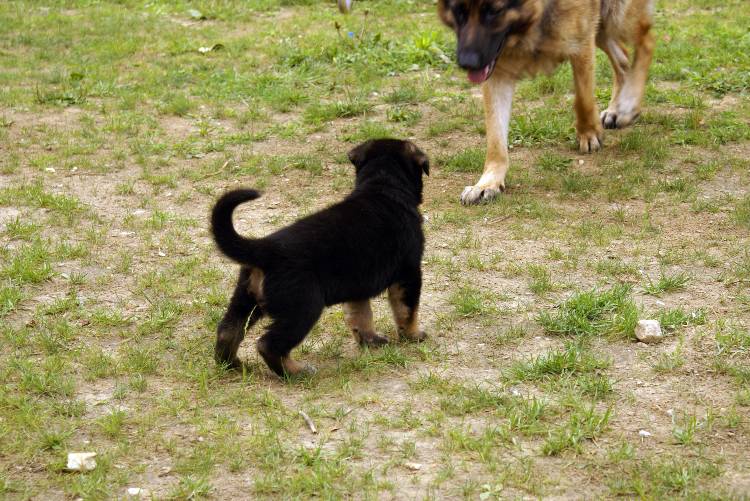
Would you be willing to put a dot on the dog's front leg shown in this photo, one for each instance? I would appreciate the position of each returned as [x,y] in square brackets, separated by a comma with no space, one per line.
[498,98]
[358,315]
[588,123]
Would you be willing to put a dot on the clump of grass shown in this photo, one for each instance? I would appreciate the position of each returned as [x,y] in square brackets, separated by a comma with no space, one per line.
[177,104]
[663,479]
[321,113]
[572,360]
[309,163]
[468,160]
[685,433]
[583,424]
[540,282]
[666,283]
[742,212]
[594,312]
[677,317]
[670,361]
[553,162]
[470,301]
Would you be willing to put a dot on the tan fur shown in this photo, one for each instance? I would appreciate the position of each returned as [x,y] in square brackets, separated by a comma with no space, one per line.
[358,316]
[255,284]
[553,31]
[407,319]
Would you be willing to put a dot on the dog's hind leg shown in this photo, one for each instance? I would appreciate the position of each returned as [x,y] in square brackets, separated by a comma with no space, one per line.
[498,100]
[285,333]
[588,123]
[627,107]
[358,315]
[618,56]
[243,312]
[404,299]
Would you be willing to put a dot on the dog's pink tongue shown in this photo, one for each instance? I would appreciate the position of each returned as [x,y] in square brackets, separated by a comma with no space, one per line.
[479,76]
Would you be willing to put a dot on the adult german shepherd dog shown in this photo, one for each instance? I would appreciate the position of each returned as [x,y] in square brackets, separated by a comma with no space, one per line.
[501,41]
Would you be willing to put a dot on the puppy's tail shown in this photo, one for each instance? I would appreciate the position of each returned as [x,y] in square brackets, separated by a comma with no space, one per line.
[241,249]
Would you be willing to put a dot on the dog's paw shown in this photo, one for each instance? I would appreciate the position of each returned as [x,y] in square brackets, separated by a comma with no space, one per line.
[228,363]
[295,369]
[414,337]
[478,194]
[589,141]
[372,340]
[618,120]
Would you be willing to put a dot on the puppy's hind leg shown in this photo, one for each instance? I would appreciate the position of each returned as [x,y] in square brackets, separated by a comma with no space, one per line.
[404,299]
[285,333]
[358,315]
[243,311]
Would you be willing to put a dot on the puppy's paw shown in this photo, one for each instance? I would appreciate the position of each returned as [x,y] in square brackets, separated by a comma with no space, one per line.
[478,194]
[372,340]
[414,337]
[231,364]
[295,369]
[589,141]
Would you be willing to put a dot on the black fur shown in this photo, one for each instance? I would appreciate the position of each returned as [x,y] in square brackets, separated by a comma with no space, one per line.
[351,251]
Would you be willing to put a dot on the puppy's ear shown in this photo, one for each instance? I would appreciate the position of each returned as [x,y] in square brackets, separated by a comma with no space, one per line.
[359,154]
[419,157]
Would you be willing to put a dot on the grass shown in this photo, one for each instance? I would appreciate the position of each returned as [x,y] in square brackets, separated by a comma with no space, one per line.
[666,284]
[118,134]
[594,312]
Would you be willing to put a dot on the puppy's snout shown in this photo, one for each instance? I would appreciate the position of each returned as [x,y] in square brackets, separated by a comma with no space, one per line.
[469,59]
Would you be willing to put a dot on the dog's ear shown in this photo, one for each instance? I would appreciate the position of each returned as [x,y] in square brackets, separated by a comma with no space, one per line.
[419,157]
[358,155]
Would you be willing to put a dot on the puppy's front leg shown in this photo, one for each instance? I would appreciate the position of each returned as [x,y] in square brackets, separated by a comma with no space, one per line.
[498,98]
[358,315]
[588,123]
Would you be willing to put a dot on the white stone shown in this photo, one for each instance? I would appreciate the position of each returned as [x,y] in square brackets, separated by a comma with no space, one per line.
[644,433]
[648,331]
[134,491]
[413,466]
[81,461]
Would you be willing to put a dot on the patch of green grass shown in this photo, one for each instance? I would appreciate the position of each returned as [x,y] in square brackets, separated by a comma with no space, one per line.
[594,312]
[675,318]
[742,212]
[664,477]
[468,160]
[670,361]
[28,264]
[10,296]
[583,424]
[572,360]
[666,283]
[322,113]
[540,282]
[469,301]
[553,162]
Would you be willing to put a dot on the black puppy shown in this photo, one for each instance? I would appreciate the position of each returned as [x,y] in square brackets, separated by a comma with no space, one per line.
[347,253]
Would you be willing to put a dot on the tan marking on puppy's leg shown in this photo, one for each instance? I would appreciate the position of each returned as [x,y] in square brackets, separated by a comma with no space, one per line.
[588,122]
[498,99]
[255,283]
[407,319]
[294,368]
[358,316]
